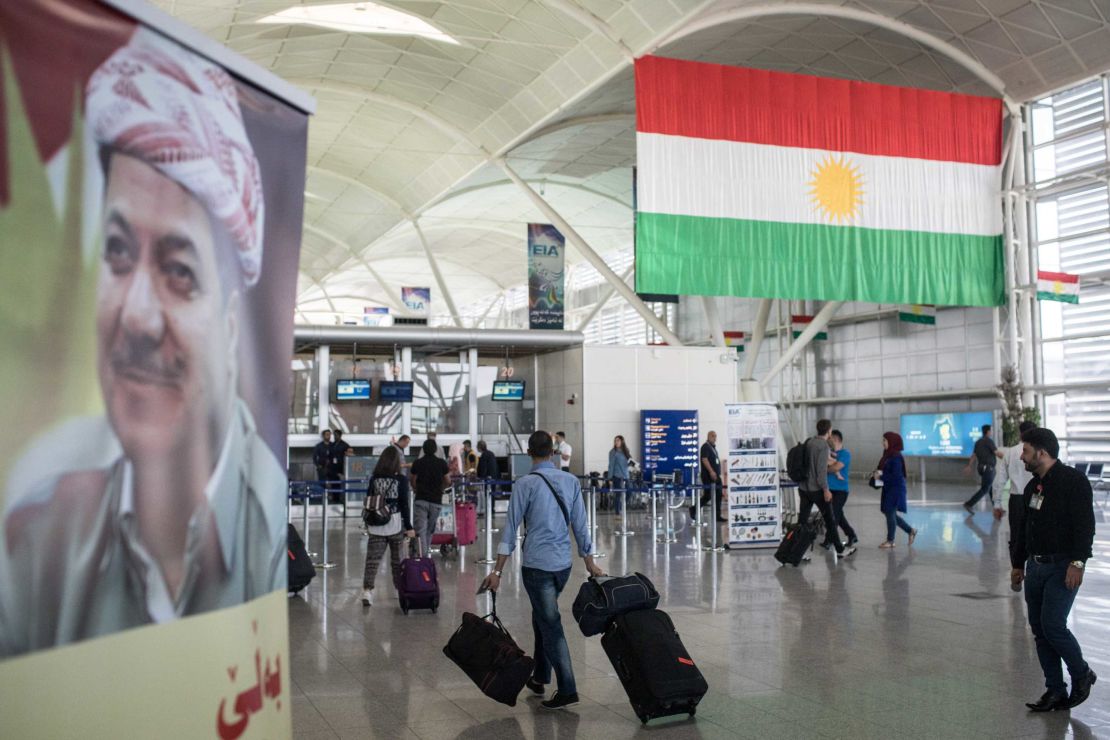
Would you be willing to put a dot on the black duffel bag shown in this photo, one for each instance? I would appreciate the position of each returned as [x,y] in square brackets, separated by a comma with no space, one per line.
[601,600]
[486,652]
[301,569]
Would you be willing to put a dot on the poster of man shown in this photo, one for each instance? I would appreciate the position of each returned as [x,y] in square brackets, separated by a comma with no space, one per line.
[157,494]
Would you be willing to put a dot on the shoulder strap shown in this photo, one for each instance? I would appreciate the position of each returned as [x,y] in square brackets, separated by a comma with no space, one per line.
[562,506]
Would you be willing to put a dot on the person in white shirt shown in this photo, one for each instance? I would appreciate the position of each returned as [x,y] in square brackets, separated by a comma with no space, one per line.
[563,450]
[1012,470]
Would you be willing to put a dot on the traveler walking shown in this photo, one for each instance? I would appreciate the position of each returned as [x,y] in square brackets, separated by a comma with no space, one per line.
[1012,470]
[814,491]
[429,478]
[340,450]
[710,467]
[1049,553]
[321,455]
[564,449]
[840,464]
[402,444]
[387,482]
[984,457]
[551,502]
[619,460]
[487,461]
[890,476]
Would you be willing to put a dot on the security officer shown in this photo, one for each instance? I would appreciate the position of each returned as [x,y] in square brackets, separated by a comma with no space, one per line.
[1049,553]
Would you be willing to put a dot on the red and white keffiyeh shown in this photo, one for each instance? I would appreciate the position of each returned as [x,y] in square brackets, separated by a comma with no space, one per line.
[179,113]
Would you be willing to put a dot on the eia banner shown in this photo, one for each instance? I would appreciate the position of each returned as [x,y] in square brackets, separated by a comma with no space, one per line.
[546,248]
[150,230]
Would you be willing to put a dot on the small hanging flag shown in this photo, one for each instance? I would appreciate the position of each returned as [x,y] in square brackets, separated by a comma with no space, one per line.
[799,324]
[736,339]
[918,314]
[1057,286]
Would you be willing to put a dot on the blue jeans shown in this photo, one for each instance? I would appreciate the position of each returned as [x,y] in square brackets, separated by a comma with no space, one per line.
[986,480]
[618,486]
[551,651]
[894,519]
[1049,602]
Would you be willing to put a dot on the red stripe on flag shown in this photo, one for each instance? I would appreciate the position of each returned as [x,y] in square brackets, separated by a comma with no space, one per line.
[799,319]
[1061,277]
[713,101]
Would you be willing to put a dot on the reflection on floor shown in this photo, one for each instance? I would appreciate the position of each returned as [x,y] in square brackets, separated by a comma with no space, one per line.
[921,643]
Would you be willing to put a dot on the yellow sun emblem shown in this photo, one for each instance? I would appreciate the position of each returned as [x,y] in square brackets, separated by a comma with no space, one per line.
[837,188]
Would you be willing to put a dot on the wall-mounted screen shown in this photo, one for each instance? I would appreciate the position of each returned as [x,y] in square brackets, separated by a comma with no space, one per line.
[352,390]
[395,391]
[508,390]
[943,435]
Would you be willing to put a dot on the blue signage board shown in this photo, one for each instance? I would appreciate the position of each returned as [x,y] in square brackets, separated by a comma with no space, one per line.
[669,440]
[951,434]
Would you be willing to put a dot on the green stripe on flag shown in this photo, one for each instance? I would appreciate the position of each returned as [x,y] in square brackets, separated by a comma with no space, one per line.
[914,318]
[1044,295]
[696,255]
[819,335]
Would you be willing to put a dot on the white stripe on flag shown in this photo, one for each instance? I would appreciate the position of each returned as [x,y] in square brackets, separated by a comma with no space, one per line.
[737,180]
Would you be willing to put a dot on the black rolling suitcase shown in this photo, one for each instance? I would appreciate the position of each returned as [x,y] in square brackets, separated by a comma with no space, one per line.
[301,569]
[487,653]
[657,673]
[795,544]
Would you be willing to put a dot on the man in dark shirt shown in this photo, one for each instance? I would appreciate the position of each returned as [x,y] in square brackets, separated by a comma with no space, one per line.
[321,454]
[984,457]
[814,490]
[340,450]
[710,476]
[430,476]
[487,461]
[1049,554]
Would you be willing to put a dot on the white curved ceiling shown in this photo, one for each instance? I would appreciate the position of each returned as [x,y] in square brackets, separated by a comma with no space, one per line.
[406,126]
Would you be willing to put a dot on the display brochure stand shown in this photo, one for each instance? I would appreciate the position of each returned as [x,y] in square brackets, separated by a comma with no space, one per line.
[751,477]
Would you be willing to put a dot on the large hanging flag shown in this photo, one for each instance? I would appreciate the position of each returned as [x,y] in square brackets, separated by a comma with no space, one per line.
[776,185]
[1057,286]
[918,314]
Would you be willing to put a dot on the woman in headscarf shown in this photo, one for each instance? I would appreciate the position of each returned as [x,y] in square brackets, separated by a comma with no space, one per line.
[890,476]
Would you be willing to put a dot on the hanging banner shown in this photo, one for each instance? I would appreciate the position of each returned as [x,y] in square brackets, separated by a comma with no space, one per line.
[150,231]
[1057,286]
[754,508]
[417,300]
[546,248]
[842,168]
[376,316]
[799,323]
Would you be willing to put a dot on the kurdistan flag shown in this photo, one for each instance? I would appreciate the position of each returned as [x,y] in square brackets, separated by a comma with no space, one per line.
[1057,286]
[918,314]
[776,185]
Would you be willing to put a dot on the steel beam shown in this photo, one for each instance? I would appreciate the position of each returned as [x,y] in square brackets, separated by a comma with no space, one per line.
[438,275]
[603,299]
[820,321]
[716,331]
[759,331]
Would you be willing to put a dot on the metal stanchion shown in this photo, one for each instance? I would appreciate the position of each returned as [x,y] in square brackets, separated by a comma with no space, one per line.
[713,523]
[326,564]
[668,519]
[696,544]
[489,528]
[654,513]
[592,512]
[624,531]
[304,505]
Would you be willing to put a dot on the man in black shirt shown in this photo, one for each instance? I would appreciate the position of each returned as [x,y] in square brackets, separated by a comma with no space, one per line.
[487,461]
[984,457]
[321,455]
[710,476]
[1049,554]
[430,476]
[339,451]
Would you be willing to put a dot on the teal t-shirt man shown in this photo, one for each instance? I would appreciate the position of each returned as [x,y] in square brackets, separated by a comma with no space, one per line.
[838,481]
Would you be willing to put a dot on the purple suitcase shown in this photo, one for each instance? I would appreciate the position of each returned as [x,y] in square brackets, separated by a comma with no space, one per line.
[417,586]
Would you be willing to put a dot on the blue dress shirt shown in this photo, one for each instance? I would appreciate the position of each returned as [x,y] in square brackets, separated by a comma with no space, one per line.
[547,543]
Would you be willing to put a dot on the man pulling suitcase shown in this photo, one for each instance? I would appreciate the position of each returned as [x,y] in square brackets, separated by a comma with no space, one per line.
[549,502]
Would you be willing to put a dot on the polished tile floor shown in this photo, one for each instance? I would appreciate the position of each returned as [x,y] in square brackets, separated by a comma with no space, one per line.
[927,642]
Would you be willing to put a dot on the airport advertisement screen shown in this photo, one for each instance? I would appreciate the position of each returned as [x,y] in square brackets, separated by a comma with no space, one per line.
[352,390]
[950,434]
[508,390]
[395,391]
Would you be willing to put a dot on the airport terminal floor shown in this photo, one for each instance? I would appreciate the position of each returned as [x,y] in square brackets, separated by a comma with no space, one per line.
[921,642]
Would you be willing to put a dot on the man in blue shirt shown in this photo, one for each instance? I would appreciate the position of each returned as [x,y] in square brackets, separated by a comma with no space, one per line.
[840,462]
[549,502]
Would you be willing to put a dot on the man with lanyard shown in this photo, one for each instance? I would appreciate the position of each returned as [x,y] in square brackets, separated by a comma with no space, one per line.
[710,476]
[1049,554]
[549,502]
[983,456]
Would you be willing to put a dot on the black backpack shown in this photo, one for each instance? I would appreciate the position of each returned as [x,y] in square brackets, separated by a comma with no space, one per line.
[797,464]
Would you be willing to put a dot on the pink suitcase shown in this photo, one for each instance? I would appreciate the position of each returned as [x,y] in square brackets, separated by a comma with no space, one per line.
[466,527]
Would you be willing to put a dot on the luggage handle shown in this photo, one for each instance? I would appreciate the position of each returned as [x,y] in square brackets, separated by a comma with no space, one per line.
[492,616]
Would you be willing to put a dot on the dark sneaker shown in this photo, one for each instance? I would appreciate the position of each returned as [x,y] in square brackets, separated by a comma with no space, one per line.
[693,514]
[562,701]
[1081,688]
[1050,701]
[534,686]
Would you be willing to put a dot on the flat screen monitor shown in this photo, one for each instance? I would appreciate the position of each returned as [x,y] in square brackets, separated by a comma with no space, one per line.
[352,390]
[950,434]
[508,390]
[395,391]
